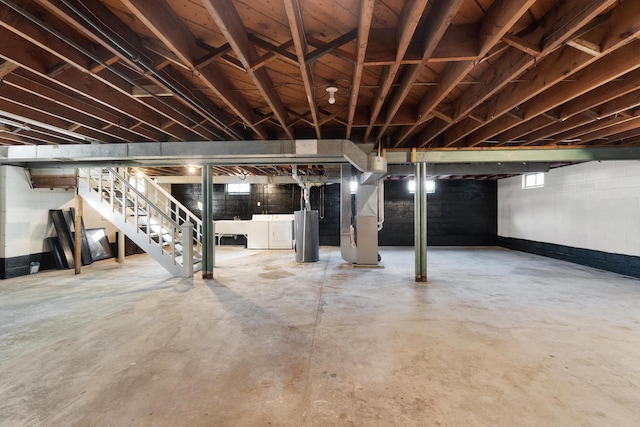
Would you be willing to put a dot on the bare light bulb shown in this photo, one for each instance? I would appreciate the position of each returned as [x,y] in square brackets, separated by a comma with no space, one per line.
[332,94]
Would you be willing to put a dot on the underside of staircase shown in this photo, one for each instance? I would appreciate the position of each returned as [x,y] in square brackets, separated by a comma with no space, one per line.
[148,215]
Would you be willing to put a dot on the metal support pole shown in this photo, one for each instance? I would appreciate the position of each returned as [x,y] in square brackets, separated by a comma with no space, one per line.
[77,255]
[420,222]
[208,233]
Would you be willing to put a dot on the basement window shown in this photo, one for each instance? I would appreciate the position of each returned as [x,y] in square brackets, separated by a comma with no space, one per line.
[239,188]
[430,186]
[533,180]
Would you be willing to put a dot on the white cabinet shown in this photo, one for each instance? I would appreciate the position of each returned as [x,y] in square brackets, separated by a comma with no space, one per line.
[262,232]
[280,234]
[258,235]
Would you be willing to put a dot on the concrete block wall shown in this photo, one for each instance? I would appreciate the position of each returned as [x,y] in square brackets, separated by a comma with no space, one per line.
[593,205]
[586,213]
[459,212]
[25,213]
[24,221]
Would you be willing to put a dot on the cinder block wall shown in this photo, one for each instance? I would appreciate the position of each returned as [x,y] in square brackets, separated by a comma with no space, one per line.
[459,212]
[586,213]
[24,221]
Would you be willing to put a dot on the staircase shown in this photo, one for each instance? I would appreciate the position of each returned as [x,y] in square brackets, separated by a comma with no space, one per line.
[148,215]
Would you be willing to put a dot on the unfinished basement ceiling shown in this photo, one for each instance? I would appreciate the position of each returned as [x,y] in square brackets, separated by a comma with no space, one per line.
[438,74]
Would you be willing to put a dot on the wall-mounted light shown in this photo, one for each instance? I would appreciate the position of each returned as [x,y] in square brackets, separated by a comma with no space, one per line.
[429,186]
[332,93]
[353,187]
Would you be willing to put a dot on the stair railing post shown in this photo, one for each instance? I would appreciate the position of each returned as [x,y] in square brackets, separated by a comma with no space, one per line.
[187,249]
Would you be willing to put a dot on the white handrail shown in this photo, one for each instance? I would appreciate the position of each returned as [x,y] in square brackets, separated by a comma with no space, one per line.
[181,212]
[157,221]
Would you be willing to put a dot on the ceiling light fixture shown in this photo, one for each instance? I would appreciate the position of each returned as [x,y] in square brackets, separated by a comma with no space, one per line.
[332,89]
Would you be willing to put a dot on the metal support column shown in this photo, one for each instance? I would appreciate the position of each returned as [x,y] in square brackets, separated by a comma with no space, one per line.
[77,255]
[208,233]
[420,224]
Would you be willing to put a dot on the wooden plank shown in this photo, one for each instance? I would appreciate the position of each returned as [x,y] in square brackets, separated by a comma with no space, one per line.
[602,94]
[499,19]
[294,14]
[514,62]
[438,20]
[407,23]
[36,108]
[20,50]
[53,181]
[231,26]
[29,88]
[174,33]
[612,66]
[521,44]
[362,43]
[320,51]
[141,54]
[6,68]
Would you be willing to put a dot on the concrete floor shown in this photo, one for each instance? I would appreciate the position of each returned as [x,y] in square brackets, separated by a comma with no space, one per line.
[496,338]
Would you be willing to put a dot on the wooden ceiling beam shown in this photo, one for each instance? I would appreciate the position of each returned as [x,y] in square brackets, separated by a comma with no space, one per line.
[458,43]
[44,90]
[408,21]
[362,42]
[274,52]
[49,108]
[544,133]
[617,127]
[613,65]
[607,92]
[6,68]
[294,14]
[524,128]
[214,53]
[22,52]
[226,17]
[514,61]
[577,133]
[25,138]
[63,123]
[320,51]
[554,70]
[437,22]
[55,43]
[521,44]
[499,19]
[141,55]
[173,32]
[338,53]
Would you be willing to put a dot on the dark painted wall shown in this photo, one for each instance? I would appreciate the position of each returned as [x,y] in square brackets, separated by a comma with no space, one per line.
[263,199]
[459,212]
[623,264]
[21,265]
[273,199]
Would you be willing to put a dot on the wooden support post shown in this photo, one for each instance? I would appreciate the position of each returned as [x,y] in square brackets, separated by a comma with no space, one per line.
[121,247]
